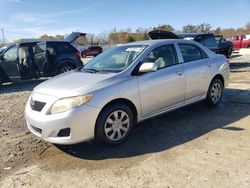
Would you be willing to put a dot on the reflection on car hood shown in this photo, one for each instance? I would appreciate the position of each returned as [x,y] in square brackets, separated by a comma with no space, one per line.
[74,83]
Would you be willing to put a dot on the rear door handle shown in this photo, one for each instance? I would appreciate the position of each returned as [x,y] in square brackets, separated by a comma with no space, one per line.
[179,73]
[209,65]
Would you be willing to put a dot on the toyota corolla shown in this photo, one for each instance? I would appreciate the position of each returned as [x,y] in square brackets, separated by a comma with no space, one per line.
[127,84]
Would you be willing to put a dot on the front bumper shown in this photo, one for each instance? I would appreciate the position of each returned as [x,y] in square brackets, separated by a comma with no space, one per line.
[81,122]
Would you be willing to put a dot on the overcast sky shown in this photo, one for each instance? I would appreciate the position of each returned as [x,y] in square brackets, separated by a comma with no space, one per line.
[32,18]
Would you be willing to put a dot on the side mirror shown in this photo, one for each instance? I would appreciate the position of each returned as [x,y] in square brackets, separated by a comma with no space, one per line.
[147,67]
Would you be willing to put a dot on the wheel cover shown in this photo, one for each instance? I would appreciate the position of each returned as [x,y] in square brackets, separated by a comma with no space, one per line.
[216,92]
[66,69]
[117,125]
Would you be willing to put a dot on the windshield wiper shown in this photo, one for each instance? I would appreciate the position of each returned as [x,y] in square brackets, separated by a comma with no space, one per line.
[94,71]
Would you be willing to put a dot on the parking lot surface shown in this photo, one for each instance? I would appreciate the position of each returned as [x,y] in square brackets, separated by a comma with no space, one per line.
[194,146]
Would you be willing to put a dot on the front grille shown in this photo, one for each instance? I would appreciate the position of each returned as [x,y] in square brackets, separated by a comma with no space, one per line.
[37,105]
[37,129]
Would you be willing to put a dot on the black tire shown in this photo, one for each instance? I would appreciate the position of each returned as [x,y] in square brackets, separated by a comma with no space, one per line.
[84,56]
[215,92]
[65,67]
[105,130]
[1,80]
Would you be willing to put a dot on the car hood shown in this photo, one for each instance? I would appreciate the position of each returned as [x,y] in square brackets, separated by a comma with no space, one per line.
[74,83]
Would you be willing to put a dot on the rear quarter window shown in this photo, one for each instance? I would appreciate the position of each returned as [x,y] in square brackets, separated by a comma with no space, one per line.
[191,52]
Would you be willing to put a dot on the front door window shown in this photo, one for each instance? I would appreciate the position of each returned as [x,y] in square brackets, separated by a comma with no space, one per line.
[10,54]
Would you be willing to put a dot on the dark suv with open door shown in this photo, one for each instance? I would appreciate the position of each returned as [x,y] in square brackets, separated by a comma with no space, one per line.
[30,60]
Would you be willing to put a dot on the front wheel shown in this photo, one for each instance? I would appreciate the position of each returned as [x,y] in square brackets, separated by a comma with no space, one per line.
[114,124]
[214,93]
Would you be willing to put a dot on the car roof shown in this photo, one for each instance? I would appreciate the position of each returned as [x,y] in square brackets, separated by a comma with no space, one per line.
[156,42]
[153,42]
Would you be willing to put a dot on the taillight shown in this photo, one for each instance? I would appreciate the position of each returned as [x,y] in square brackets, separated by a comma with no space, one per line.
[78,53]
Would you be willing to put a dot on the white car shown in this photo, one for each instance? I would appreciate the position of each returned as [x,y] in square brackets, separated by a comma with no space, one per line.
[123,86]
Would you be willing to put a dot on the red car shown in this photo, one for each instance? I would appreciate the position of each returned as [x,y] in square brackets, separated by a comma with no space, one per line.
[91,51]
[241,41]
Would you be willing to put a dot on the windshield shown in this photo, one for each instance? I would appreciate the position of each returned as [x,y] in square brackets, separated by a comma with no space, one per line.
[116,59]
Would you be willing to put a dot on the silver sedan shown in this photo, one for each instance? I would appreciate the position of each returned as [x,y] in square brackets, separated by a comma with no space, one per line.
[123,86]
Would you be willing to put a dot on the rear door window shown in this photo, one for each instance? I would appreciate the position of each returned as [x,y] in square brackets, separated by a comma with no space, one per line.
[191,52]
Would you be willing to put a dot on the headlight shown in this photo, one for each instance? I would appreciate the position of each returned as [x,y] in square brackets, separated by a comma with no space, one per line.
[65,104]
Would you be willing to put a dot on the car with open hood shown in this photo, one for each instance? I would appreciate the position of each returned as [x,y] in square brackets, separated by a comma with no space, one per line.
[217,44]
[125,85]
[28,60]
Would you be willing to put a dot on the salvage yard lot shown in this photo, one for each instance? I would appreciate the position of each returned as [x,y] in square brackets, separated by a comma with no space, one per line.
[194,146]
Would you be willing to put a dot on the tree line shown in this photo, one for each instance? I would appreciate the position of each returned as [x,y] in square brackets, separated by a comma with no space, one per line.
[127,35]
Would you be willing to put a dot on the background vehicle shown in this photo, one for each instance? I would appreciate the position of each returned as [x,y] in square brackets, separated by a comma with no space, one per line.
[55,57]
[241,41]
[123,86]
[35,59]
[215,43]
[16,62]
[91,51]
[224,47]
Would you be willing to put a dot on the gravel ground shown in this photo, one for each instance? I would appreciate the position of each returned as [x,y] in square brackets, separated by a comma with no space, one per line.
[192,147]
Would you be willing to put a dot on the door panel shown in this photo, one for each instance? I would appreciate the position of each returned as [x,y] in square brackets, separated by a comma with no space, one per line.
[10,63]
[198,77]
[198,69]
[161,89]
[165,87]
[11,69]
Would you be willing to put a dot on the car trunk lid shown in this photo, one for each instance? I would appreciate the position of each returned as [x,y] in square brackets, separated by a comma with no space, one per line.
[74,36]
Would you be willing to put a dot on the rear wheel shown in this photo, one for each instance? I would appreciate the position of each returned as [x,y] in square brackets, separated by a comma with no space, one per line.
[65,68]
[114,124]
[214,93]
[1,80]
[84,56]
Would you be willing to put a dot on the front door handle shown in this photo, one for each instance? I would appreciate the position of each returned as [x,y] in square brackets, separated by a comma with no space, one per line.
[179,73]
